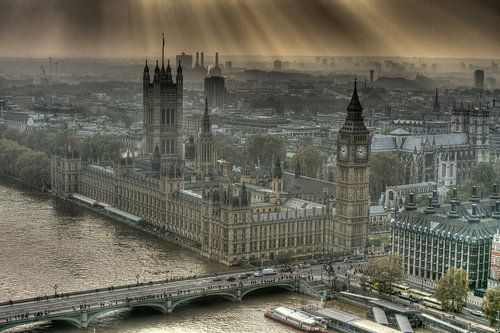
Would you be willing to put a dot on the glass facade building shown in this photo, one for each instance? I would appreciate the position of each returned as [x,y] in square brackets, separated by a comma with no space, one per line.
[435,239]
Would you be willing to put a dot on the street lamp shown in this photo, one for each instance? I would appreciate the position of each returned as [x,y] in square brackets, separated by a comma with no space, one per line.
[55,289]
[137,278]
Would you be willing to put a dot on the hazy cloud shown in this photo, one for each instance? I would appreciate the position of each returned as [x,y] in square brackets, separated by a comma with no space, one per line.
[132,28]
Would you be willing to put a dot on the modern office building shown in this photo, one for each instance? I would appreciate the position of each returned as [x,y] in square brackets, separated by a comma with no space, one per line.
[436,238]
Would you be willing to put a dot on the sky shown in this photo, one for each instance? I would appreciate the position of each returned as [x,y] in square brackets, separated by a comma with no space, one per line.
[132,28]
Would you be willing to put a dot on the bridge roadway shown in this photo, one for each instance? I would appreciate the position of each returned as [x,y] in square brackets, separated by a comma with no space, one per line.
[81,308]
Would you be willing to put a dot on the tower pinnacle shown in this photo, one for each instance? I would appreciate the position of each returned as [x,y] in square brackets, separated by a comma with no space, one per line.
[206,119]
[435,107]
[162,50]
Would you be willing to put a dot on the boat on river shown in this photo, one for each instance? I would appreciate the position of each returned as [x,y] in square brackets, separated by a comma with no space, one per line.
[298,319]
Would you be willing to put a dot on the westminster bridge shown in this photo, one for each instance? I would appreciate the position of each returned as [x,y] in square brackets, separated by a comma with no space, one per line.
[81,308]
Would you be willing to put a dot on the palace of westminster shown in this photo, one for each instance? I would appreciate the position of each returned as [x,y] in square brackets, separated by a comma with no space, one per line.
[178,187]
[184,193]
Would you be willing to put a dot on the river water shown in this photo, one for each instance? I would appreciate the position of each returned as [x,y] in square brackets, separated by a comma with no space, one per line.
[41,246]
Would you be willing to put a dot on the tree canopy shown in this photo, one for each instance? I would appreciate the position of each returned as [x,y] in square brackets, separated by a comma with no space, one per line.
[452,289]
[482,175]
[491,305]
[32,167]
[384,271]
[229,153]
[311,160]
[264,149]
[107,147]
[385,170]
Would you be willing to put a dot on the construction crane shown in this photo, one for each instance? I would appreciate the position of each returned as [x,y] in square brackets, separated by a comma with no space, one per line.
[50,67]
[43,76]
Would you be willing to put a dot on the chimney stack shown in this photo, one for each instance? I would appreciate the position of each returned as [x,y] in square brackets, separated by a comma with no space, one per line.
[435,199]
[410,203]
[496,213]
[202,60]
[430,208]
[474,197]
[216,59]
[474,217]
[453,213]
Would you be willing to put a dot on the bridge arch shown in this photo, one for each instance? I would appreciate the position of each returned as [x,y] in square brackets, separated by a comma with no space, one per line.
[225,295]
[287,286]
[105,310]
[157,306]
[70,320]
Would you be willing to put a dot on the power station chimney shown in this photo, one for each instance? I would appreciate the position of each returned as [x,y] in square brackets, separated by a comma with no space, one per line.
[371,75]
[216,59]
[202,60]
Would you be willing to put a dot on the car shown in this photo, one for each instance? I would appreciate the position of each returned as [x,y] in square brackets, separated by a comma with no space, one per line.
[404,296]
[243,276]
[230,278]
[217,279]
[257,274]
[477,313]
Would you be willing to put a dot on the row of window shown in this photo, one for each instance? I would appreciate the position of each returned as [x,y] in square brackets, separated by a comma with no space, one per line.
[167,116]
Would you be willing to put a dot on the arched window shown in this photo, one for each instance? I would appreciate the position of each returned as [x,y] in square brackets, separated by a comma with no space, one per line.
[163,116]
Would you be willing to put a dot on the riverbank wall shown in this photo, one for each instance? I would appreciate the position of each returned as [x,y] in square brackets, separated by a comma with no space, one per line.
[140,226]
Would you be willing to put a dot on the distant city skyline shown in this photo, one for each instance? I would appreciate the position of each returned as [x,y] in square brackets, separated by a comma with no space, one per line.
[132,29]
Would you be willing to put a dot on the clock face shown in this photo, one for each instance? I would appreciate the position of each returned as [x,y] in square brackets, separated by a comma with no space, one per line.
[361,152]
[343,151]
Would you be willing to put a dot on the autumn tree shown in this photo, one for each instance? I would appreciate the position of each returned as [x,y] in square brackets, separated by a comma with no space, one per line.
[386,169]
[491,305]
[384,271]
[452,289]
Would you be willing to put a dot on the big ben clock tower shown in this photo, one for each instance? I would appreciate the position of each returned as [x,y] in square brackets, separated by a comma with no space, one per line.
[352,194]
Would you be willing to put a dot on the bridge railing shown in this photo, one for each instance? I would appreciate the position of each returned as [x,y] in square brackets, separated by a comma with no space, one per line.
[125,286]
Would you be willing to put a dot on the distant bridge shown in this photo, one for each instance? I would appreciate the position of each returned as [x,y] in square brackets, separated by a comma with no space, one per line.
[81,308]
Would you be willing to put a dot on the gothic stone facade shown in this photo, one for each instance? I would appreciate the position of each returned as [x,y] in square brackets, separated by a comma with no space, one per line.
[227,222]
[445,159]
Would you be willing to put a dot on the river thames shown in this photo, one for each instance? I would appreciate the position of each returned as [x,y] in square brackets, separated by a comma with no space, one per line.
[42,247]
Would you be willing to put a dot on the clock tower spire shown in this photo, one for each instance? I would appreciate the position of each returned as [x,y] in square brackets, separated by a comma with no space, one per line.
[352,191]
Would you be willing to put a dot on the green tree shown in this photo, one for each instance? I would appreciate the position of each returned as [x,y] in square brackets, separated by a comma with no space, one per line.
[481,175]
[229,152]
[34,168]
[263,148]
[384,271]
[385,170]
[107,147]
[452,290]
[311,160]
[491,305]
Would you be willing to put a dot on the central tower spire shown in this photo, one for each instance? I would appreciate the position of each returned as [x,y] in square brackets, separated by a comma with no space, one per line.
[163,50]
[354,120]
